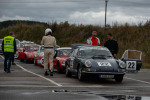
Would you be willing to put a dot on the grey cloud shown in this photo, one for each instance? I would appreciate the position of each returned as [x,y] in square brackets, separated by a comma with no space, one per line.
[61,10]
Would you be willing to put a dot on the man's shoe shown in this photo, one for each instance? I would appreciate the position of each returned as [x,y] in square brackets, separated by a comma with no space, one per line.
[5,70]
[51,74]
[46,73]
[8,71]
[13,63]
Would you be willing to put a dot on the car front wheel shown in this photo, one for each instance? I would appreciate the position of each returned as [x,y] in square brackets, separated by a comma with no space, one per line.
[58,68]
[81,77]
[119,78]
[35,61]
[68,73]
[26,61]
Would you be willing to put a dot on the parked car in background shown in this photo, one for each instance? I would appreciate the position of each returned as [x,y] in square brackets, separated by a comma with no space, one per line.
[133,60]
[1,40]
[39,56]
[21,47]
[27,53]
[61,54]
[18,46]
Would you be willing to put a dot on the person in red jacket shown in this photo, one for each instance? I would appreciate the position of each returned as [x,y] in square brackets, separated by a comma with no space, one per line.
[94,41]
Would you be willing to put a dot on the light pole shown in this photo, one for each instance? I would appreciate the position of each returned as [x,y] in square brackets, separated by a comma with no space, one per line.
[105,11]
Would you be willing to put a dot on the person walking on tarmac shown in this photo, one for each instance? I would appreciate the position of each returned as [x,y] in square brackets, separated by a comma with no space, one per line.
[94,41]
[8,48]
[49,43]
[112,45]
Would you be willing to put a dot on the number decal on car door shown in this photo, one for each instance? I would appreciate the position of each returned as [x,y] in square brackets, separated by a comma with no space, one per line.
[131,65]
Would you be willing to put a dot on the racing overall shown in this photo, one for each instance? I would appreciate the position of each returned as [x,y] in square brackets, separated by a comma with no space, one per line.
[93,41]
[49,43]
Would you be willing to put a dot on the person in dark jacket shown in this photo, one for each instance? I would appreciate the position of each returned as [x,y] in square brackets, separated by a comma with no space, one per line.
[112,45]
[8,48]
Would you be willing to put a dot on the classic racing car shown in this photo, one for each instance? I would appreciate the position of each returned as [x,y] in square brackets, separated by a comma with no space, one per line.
[61,54]
[27,53]
[96,61]
[20,48]
[39,56]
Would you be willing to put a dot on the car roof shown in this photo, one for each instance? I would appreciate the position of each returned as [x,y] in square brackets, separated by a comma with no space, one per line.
[64,48]
[94,47]
[31,45]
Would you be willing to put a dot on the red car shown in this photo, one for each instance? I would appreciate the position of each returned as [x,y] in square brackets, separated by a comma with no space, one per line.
[39,57]
[20,48]
[61,54]
[27,52]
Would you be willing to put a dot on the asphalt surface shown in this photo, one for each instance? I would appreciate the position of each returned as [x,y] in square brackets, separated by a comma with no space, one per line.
[27,82]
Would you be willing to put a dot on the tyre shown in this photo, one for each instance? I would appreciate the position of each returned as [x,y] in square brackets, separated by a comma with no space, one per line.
[58,68]
[21,60]
[26,61]
[68,73]
[35,61]
[119,78]
[81,77]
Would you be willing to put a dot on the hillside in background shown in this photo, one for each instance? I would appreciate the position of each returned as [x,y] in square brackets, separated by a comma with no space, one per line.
[128,37]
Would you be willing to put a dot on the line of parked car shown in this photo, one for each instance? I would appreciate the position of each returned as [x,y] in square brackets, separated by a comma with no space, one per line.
[83,60]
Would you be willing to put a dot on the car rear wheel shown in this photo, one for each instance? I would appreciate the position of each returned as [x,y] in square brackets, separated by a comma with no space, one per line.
[119,78]
[81,77]
[58,68]
[68,73]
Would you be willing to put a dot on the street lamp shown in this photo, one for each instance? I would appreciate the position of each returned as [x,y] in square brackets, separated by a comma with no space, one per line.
[105,11]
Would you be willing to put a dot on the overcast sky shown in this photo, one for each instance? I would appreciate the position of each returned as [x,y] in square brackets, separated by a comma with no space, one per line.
[76,11]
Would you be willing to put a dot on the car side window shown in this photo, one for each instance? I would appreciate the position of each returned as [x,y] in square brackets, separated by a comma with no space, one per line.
[72,54]
[75,52]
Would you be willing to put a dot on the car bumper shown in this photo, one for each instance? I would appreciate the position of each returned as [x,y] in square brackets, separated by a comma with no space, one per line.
[30,59]
[103,73]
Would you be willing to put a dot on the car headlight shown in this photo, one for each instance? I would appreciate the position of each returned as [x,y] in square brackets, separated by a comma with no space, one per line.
[30,55]
[64,61]
[88,63]
[42,54]
[122,64]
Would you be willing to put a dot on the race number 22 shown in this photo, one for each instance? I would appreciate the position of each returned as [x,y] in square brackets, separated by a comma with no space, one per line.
[131,65]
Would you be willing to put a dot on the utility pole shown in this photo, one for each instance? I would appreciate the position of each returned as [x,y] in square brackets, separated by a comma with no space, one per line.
[106,1]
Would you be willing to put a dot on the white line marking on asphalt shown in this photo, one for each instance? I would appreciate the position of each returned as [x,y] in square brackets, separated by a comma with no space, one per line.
[39,75]
[2,56]
[38,86]
[74,86]
[137,80]
[36,74]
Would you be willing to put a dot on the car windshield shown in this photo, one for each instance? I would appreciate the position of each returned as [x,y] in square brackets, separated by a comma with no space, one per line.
[29,43]
[91,52]
[64,52]
[31,48]
[17,43]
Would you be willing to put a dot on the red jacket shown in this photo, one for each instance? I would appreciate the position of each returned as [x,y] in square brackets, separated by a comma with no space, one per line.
[93,41]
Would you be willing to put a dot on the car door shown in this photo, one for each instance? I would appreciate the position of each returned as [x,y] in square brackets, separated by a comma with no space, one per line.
[133,60]
[55,59]
[72,59]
